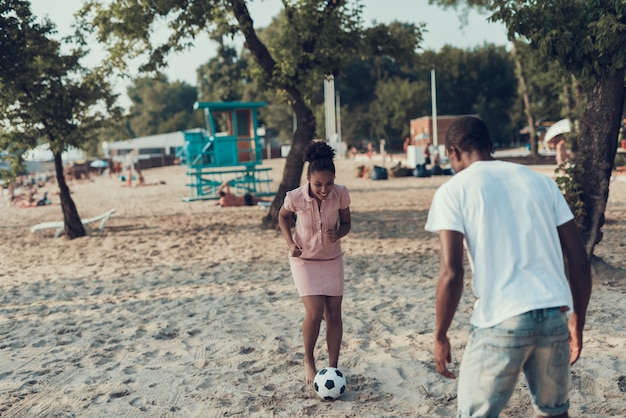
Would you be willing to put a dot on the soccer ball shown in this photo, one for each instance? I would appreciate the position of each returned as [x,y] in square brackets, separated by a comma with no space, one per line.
[329,383]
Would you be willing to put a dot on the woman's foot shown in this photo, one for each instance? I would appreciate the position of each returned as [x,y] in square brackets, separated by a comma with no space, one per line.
[310,371]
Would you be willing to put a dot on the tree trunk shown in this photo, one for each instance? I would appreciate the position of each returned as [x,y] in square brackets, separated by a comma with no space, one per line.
[305,130]
[600,124]
[524,91]
[292,173]
[73,225]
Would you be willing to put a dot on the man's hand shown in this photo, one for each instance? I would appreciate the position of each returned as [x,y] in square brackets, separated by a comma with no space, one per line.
[576,339]
[443,356]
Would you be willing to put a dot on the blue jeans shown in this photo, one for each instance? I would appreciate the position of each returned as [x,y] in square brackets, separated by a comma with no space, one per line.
[537,343]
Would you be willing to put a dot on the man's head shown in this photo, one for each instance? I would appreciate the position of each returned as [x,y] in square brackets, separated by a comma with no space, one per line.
[467,135]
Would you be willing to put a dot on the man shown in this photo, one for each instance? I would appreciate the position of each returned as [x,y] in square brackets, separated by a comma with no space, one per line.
[516,226]
[228,199]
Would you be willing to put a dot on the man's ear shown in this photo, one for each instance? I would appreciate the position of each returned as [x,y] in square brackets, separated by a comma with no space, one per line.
[451,150]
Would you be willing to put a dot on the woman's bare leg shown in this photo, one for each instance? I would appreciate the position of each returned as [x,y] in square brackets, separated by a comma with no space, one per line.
[314,311]
[334,328]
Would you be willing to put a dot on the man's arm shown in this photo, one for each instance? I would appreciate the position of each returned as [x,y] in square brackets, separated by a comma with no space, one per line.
[449,291]
[579,274]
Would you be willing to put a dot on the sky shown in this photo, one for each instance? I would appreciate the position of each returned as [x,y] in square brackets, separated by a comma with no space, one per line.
[444,28]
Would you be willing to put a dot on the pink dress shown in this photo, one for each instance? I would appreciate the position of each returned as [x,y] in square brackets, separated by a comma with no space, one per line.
[319,270]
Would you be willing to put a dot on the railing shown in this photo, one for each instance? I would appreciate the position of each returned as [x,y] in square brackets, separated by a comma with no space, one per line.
[205,182]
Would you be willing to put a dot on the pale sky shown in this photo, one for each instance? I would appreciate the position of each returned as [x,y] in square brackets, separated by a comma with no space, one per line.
[444,27]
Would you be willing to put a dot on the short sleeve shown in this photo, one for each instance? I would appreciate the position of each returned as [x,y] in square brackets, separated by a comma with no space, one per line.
[562,211]
[344,198]
[445,213]
[288,202]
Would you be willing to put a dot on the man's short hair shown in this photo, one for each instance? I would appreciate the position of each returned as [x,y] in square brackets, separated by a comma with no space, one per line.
[469,133]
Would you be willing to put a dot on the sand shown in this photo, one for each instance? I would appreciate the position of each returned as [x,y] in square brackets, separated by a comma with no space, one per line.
[186,309]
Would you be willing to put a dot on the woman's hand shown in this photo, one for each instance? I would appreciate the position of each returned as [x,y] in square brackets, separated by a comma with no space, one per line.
[295,250]
[332,235]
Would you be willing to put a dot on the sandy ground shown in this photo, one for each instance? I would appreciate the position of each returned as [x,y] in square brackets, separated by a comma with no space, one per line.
[186,309]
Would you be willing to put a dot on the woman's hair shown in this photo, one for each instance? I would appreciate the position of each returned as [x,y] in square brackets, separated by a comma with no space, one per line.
[469,133]
[320,157]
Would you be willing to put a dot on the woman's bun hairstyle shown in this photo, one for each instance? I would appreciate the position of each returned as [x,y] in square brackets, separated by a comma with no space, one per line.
[320,157]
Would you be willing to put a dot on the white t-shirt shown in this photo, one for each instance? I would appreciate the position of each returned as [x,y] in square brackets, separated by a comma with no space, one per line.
[509,216]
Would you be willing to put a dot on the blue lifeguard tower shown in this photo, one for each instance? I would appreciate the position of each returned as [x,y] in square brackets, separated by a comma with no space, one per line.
[231,155]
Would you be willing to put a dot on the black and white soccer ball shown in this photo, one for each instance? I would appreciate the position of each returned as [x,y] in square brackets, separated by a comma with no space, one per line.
[329,383]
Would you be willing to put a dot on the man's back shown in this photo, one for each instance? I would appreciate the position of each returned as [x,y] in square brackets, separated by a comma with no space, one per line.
[508,215]
[516,226]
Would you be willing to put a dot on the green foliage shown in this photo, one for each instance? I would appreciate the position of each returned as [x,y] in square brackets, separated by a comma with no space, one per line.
[46,96]
[313,41]
[382,81]
[397,101]
[159,106]
[222,78]
[586,37]
[544,79]
[572,190]
[476,81]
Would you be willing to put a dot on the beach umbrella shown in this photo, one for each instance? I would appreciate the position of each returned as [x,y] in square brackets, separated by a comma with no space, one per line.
[99,164]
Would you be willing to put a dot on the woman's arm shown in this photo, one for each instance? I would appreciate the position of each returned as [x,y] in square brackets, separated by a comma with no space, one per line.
[335,235]
[284,222]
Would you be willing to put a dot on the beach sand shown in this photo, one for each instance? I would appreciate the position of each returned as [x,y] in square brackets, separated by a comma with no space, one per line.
[186,309]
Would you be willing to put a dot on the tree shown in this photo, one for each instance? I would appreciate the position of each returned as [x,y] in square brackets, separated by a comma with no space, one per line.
[545,88]
[47,95]
[588,39]
[158,106]
[221,78]
[476,81]
[316,38]
[397,102]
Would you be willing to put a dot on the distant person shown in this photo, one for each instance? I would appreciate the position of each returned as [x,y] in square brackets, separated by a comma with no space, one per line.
[427,150]
[562,156]
[30,200]
[44,200]
[322,211]
[228,199]
[516,227]
[370,150]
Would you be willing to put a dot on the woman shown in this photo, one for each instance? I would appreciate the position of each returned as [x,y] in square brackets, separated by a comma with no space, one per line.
[322,209]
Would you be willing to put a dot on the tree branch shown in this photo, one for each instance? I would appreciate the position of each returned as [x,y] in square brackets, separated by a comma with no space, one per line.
[253,43]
